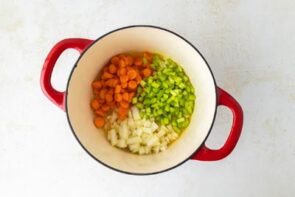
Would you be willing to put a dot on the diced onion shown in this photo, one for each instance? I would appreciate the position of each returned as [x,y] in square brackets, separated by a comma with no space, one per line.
[138,135]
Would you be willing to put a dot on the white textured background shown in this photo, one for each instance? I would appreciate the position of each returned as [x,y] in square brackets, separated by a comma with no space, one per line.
[250,45]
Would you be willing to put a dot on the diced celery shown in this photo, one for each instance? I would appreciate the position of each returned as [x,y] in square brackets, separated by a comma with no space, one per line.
[180,120]
[134,100]
[167,96]
[142,83]
[144,60]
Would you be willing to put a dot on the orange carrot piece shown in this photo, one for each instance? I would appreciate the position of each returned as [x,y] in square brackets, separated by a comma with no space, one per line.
[121,72]
[138,61]
[95,104]
[122,112]
[123,78]
[125,96]
[147,72]
[122,63]
[148,56]
[129,60]
[99,122]
[109,83]
[109,98]
[96,84]
[96,92]
[132,74]
[138,79]
[118,89]
[132,84]
[112,104]
[118,97]
[115,81]
[100,112]
[112,82]
[106,75]
[105,108]
[124,85]
[101,101]
[131,95]
[110,91]
[112,69]
[124,104]
[115,60]
[102,94]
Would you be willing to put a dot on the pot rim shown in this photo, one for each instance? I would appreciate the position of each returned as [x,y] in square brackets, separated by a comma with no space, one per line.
[128,27]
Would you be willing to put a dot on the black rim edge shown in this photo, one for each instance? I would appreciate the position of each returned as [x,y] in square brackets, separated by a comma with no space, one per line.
[74,67]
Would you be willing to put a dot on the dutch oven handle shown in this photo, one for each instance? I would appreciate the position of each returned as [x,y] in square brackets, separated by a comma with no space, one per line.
[207,154]
[57,97]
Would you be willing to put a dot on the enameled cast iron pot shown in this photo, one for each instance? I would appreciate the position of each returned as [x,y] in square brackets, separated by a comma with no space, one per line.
[95,53]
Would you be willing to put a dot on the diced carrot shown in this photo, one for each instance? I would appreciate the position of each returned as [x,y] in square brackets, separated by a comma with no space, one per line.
[102,94]
[121,72]
[125,96]
[103,82]
[121,56]
[132,84]
[122,63]
[116,81]
[112,104]
[131,95]
[118,89]
[129,60]
[106,75]
[112,82]
[112,69]
[122,112]
[148,56]
[124,104]
[109,83]
[95,104]
[124,85]
[105,108]
[138,79]
[96,84]
[123,78]
[115,60]
[99,122]
[118,97]
[100,112]
[101,101]
[109,98]
[138,61]
[96,92]
[105,69]
[147,72]
[132,74]
[110,91]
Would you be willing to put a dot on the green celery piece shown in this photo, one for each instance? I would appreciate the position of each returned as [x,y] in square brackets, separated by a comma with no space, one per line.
[142,83]
[153,100]
[140,99]
[179,120]
[178,80]
[167,108]
[134,100]
[139,89]
[139,105]
[155,84]
[144,60]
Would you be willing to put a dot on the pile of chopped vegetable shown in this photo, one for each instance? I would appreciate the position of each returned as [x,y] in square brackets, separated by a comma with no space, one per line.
[138,135]
[143,101]
[168,95]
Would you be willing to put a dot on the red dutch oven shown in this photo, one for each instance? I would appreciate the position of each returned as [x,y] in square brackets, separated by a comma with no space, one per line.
[95,53]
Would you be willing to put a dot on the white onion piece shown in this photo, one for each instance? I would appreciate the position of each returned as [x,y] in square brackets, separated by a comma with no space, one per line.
[138,135]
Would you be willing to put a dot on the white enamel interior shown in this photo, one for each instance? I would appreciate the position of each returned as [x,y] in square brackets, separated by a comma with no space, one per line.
[140,39]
